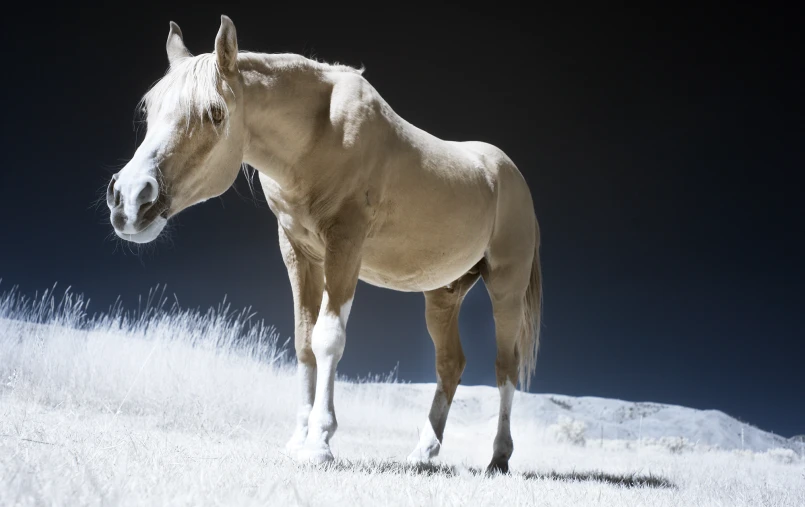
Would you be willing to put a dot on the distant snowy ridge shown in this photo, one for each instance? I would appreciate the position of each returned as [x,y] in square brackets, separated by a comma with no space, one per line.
[603,418]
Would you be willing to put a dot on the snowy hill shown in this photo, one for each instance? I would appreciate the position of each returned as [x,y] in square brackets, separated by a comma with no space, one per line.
[475,411]
[190,408]
[609,419]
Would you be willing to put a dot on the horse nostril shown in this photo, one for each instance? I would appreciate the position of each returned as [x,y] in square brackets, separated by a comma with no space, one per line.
[118,220]
[148,193]
[112,194]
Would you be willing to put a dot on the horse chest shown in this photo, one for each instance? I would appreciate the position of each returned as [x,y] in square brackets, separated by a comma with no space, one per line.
[299,226]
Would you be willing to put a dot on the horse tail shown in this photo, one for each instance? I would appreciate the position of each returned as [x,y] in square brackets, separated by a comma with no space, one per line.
[528,341]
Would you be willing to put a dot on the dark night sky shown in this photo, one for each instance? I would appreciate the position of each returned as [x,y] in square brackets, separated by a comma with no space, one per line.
[663,150]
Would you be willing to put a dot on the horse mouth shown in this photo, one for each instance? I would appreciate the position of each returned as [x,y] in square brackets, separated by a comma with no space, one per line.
[148,234]
[147,227]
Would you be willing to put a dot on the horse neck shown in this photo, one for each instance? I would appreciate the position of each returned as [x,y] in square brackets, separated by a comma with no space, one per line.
[282,108]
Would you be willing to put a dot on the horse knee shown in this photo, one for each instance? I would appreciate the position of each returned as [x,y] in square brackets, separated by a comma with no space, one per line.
[329,337]
[305,355]
[450,367]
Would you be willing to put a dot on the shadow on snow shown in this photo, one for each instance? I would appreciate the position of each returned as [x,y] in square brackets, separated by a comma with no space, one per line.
[393,467]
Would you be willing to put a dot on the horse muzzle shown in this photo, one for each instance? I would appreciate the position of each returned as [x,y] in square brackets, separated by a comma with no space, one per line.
[138,210]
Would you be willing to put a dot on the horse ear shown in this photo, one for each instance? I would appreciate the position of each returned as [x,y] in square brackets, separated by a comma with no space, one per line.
[226,46]
[175,45]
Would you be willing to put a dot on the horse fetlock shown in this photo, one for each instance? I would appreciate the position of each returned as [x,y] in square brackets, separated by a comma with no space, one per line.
[322,427]
[426,450]
[503,447]
[316,448]
[428,447]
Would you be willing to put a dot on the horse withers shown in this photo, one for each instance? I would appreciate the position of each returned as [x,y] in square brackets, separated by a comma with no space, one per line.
[359,193]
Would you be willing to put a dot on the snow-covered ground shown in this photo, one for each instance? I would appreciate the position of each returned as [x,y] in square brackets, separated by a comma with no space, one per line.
[177,408]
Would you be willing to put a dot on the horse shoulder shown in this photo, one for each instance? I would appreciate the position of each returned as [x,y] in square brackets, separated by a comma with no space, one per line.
[354,105]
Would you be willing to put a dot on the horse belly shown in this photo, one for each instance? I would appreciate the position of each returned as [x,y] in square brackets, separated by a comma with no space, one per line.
[405,264]
[435,234]
[414,280]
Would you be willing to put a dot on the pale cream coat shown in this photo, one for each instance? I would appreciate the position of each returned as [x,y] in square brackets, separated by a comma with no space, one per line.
[359,193]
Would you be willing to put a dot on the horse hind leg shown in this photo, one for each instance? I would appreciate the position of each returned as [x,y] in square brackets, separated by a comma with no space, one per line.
[512,277]
[507,315]
[441,313]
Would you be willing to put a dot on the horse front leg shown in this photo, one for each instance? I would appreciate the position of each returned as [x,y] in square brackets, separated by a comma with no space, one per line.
[344,241]
[307,284]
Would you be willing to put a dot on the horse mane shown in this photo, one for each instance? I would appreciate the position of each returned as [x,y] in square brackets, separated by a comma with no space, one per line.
[293,61]
[194,83]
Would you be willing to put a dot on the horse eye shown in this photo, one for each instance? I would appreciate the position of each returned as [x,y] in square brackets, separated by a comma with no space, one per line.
[217,114]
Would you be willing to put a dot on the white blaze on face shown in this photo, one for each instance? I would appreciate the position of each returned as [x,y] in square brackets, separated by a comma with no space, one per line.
[136,189]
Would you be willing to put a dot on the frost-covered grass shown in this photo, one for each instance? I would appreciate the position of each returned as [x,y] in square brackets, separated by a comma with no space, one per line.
[171,407]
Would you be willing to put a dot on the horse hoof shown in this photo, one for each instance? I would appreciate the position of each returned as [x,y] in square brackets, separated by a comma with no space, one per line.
[314,455]
[422,456]
[417,458]
[498,467]
[425,452]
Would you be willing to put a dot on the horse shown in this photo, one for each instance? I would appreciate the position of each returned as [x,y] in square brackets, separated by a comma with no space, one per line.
[359,194]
